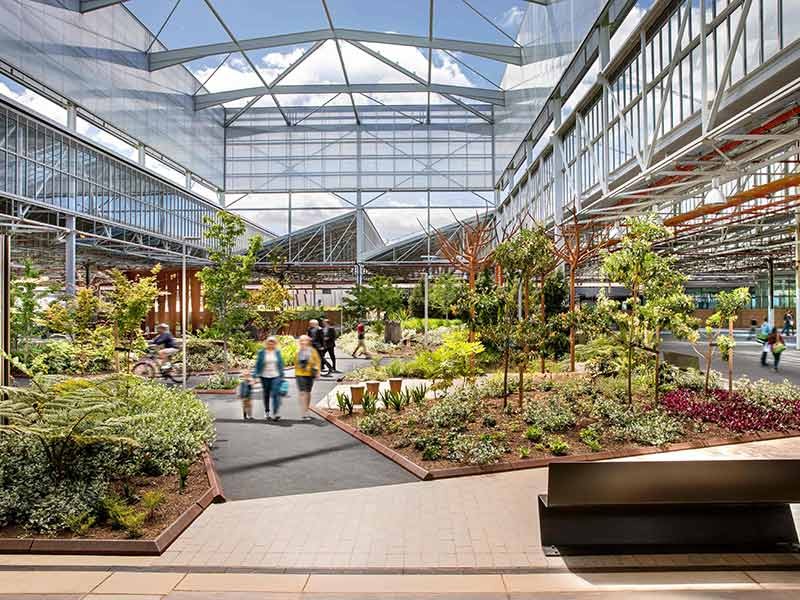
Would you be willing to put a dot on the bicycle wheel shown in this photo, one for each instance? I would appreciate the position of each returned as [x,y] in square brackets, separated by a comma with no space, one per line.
[144,369]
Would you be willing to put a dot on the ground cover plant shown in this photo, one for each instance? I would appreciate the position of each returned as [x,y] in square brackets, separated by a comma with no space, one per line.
[98,456]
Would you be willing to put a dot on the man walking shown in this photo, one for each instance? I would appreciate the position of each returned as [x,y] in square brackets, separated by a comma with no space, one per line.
[361,332]
[318,343]
[329,341]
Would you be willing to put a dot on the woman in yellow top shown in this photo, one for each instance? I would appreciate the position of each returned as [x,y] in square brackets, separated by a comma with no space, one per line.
[306,369]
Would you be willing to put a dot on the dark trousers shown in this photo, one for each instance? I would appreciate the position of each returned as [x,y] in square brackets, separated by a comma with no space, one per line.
[777,357]
[271,387]
[324,364]
[330,351]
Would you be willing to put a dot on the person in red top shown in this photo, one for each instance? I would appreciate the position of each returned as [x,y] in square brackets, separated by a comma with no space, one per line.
[361,331]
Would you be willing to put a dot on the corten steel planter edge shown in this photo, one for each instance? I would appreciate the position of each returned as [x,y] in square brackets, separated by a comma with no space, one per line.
[535,463]
[396,457]
[122,547]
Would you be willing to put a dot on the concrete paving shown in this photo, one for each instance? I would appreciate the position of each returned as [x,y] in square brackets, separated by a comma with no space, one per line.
[260,459]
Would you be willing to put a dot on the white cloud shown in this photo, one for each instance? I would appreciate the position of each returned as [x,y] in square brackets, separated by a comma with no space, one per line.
[35,102]
[512,18]
[324,68]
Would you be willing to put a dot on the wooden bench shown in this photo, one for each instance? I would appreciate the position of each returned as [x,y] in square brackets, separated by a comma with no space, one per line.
[669,506]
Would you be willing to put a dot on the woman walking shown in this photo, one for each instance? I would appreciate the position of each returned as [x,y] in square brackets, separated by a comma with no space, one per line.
[777,345]
[269,368]
[306,369]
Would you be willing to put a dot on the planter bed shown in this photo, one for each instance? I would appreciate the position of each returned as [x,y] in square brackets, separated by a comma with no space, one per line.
[177,512]
[412,461]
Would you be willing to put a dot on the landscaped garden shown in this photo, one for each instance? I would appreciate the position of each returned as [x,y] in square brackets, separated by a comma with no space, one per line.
[112,456]
[512,383]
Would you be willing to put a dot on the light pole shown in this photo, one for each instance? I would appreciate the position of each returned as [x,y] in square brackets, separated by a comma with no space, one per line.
[184,311]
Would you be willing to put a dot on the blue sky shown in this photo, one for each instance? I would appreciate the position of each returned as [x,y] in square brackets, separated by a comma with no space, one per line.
[193,24]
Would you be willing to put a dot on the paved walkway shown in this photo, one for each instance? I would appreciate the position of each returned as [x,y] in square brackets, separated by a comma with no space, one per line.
[486,522]
[108,585]
[257,459]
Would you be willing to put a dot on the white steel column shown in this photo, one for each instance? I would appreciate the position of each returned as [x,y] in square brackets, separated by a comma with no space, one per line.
[559,175]
[796,278]
[142,158]
[69,256]
[184,313]
[72,117]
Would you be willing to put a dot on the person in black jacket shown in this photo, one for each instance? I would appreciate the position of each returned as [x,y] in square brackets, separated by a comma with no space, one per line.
[329,341]
[317,336]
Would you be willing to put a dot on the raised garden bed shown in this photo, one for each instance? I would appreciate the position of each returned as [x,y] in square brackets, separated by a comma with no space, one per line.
[471,432]
[177,512]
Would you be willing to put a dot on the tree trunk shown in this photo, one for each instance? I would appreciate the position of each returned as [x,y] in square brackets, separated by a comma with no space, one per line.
[572,318]
[657,347]
[116,345]
[505,374]
[543,315]
[709,354]
[224,357]
[471,279]
[730,358]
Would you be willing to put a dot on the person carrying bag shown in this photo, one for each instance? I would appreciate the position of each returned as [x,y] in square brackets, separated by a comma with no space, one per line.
[270,369]
[777,344]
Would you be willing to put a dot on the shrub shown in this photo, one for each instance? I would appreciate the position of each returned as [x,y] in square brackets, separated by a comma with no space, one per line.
[524,452]
[455,410]
[393,400]
[369,403]
[551,415]
[558,446]
[652,428]
[477,450]
[591,437]
[489,421]
[374,424]
[219,381]
[534,434]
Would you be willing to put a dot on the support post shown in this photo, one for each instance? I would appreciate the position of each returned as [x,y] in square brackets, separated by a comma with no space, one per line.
[142,155]
[427,275]
[72,117]
[184,313]
[796,278]
[5,309]
[771,286]
[69,257]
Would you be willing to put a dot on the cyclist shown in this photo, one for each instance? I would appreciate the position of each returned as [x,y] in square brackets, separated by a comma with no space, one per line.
[167,344]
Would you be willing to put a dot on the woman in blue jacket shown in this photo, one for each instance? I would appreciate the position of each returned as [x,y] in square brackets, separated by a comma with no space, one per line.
[269,368]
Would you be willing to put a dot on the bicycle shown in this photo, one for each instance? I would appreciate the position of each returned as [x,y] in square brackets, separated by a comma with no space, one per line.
[149,366]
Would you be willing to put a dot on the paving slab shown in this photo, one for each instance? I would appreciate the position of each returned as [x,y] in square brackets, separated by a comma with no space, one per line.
[139,583]
[50,582]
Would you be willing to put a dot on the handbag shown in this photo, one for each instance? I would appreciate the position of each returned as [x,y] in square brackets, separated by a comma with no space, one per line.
[283,388]
[778,348]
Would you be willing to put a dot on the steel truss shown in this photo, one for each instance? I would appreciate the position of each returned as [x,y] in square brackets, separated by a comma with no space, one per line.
[685,103]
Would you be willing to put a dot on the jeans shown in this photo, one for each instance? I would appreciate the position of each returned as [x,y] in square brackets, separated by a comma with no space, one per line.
[271,387]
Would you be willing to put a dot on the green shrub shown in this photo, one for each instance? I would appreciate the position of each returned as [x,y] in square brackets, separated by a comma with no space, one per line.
[534,434]
[477,450]
[392,400]
[418,324]
[455,410]
[652,428]
[369,403]
[489,421]
[374,424]
[524,452]
[558,446]
[591,437]
[219,381]
[183,475]
[152,501]
[551,415]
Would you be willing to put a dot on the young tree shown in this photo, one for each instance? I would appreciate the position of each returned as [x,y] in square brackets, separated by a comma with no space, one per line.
[578,243]
[379,295]
[729,305]
[224,280]
[445,292]
[129,302]
[645,274]
[268,302]
[76,316]
[528,255]
[26,294]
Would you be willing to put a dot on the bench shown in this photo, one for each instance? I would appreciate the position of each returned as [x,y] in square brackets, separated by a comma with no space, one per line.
[669,506]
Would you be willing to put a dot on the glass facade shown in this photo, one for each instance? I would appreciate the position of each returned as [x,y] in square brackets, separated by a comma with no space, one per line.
[51,168]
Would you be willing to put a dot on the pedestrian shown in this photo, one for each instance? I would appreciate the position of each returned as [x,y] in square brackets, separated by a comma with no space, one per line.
[329,341]
[246,396]
[306,369]
[317,337]
[269,368]
[361,332]
[762,336]
[776,345]
[788,323]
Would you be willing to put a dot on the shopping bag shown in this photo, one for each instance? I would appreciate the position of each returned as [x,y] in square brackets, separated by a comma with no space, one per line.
[778,348]
[283,389]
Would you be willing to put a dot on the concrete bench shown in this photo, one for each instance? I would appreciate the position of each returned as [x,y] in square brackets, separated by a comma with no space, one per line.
[669,506]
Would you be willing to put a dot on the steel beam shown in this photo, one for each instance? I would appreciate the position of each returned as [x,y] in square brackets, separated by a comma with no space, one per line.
[481,94]
[90,5]
[506,54]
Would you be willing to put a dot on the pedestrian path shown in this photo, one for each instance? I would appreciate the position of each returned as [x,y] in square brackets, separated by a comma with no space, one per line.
[256,459]
[182,585]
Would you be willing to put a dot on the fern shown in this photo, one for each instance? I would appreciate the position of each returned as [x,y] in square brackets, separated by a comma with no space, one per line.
[64,421]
